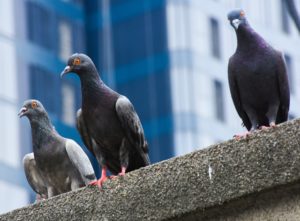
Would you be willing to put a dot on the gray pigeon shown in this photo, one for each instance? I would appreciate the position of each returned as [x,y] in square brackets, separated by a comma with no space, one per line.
[57,164]
[107,122]
[257,78]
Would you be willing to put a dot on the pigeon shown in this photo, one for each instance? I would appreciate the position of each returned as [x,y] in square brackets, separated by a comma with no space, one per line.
[257,78]
[107,122]
[57,164]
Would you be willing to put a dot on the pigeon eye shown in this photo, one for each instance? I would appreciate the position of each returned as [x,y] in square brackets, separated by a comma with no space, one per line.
[34,104]
[242,13]
[76,61]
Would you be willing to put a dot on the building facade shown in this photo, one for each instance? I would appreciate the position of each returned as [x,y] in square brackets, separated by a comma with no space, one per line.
[200,43]
[169,57]
[12,183]
[36,39]
[181,48]
[131,51]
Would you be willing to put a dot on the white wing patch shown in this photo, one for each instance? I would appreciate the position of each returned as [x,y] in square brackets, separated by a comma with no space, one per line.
[79,158]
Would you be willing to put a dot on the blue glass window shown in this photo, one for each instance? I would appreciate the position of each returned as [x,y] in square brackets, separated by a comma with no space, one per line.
[139,37]
[78,42]
[45,87]
[41,24]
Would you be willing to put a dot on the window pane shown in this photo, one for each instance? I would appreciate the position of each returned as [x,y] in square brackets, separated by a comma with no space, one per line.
[78,38]
[45,87]
[284,18]
[9,135]
[68,104]
[7,14]
[215,38]
[41,26]
[8,74]
[65,40]
[219,101]
[139,37]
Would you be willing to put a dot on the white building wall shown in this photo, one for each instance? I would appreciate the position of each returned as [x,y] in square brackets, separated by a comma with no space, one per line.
[192,77]
[12,195]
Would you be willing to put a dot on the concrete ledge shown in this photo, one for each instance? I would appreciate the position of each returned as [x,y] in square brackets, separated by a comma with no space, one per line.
[235,180]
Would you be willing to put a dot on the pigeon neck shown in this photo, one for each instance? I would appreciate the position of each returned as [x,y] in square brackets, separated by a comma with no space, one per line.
[91,85]
[40,130]
[247,38]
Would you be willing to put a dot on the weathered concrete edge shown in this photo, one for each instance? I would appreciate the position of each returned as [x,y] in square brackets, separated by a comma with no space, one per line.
[276,203]
[183,185]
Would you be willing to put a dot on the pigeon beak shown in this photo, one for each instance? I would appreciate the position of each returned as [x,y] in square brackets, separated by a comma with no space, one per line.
[22,112]
[235,23]
[67,69]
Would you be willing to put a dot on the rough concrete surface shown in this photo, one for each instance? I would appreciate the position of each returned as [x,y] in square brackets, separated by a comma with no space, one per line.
[253,179]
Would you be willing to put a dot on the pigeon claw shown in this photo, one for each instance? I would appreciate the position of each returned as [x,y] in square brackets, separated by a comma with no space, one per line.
[242,135]
[103,178]
[264,127]
[113,177]
[39,197]
[99,182]
[122,173]
[93,183]
[272,125]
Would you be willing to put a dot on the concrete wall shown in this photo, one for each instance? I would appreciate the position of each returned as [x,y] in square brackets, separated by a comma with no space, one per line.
[252,179]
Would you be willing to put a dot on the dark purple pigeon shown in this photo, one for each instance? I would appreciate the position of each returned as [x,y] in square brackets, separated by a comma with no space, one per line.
[107,122]
[257,78]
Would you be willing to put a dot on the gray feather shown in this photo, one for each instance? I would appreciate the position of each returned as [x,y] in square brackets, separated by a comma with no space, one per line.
[83,131]
[132,126]
[80,161]
[33,175]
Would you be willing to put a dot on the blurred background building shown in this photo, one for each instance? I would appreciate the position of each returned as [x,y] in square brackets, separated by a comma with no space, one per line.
[169,57]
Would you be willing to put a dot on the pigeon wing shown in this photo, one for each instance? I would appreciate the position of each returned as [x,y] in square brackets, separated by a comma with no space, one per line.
[33,175]
[83,131]
[90,143]
[132,126]
[236,96]
[80,160]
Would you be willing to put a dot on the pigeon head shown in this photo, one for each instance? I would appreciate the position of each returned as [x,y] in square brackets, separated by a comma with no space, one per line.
[79,64]
[31,109]
[236,18]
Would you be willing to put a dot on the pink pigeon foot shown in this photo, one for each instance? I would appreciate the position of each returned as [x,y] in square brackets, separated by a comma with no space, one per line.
[272,125]
[100,182]
[242,135]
